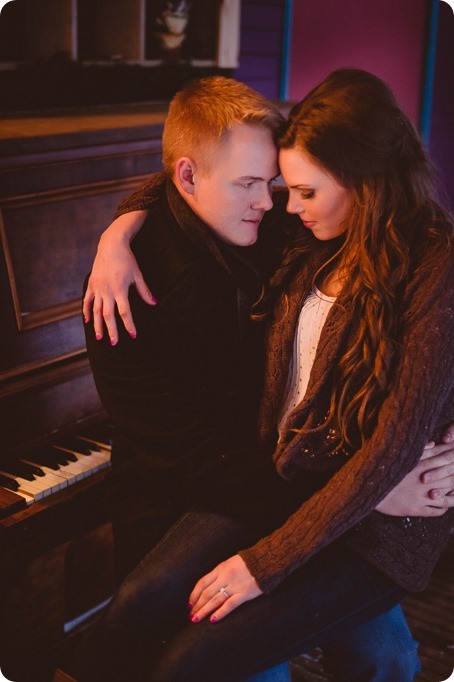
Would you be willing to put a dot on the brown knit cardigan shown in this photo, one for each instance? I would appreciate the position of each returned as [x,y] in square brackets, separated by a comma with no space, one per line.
[419,403]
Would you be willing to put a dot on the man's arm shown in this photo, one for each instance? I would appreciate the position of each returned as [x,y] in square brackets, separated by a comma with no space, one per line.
[428,489]
[115,268]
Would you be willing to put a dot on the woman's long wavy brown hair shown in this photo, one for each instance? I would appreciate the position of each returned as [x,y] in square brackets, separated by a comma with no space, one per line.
[352,127]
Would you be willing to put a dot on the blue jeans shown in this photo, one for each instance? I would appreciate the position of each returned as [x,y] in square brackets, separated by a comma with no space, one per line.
[380,650]
[144,634]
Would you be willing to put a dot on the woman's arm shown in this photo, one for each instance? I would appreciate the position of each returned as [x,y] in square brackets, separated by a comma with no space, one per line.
[413,496]
[115,268]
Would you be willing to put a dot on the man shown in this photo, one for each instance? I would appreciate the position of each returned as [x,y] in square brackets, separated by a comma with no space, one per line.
[183,394]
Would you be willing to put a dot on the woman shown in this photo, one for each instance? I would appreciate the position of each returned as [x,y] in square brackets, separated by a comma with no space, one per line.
[347,411]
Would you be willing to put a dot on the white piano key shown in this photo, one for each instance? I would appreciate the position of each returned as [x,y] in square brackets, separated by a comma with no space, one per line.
[51,476]
[76,470]
[100,443]
[66,477]
[29,499]
[28,487]
[100,456]
[90,464]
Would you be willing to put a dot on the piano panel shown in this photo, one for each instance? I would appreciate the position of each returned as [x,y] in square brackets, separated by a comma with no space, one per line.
[53,400]
[61,179]
[45,594]
[54,223]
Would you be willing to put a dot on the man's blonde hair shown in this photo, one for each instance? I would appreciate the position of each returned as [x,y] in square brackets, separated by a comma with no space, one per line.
[203,112]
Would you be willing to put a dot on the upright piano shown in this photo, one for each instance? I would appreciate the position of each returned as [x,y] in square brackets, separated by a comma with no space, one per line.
[61,176]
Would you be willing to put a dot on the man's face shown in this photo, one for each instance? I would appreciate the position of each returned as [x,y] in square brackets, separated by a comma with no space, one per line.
[233,197]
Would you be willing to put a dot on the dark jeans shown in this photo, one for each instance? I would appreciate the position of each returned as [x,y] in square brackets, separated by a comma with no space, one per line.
[145,634]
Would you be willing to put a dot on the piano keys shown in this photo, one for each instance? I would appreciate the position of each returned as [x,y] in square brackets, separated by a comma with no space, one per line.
[52,468]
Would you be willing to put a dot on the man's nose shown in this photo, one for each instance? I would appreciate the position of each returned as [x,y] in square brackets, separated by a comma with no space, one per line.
[264,201]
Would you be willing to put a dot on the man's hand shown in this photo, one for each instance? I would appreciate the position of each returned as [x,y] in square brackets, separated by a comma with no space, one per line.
[221,591]
[428,489]
[114,270]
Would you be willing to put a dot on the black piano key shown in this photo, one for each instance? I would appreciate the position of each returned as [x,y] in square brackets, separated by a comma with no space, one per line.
[18,468]
[63,456]
[94,447]
[8,482]
[37,471]
[75,444]
[48,457]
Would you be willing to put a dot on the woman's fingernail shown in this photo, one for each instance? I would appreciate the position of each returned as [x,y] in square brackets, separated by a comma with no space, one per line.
[189,606]
[213,619]
[132,334]
[85,319]
[194,619]
[98,337]
[153,301]
[113,342]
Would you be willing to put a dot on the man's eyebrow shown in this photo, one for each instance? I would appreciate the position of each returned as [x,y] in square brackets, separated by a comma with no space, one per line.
[257,177]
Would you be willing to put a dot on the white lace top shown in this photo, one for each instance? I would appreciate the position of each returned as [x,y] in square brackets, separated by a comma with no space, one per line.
[311,320]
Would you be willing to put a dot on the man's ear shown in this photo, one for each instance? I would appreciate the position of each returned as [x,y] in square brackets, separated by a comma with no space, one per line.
[184,174]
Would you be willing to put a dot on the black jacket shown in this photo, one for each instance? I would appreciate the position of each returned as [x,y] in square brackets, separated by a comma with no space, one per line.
[183,396]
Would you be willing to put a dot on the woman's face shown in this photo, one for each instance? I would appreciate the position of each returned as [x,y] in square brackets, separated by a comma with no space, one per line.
[321,202]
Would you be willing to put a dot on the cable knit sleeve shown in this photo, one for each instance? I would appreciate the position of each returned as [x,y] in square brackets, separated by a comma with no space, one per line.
[144,196]
[421,388]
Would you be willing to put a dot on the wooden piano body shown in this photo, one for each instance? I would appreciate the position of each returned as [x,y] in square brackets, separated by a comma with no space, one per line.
[61,177]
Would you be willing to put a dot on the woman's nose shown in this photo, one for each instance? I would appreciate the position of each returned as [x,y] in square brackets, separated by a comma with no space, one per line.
[294,206]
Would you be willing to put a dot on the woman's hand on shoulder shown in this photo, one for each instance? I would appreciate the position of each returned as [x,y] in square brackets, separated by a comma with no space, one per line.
[222,590]
[114,270]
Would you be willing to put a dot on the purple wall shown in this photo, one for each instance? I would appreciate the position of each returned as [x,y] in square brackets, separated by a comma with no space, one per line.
[387,38]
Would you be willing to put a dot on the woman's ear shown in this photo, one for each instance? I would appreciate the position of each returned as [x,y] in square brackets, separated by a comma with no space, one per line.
[184,174]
